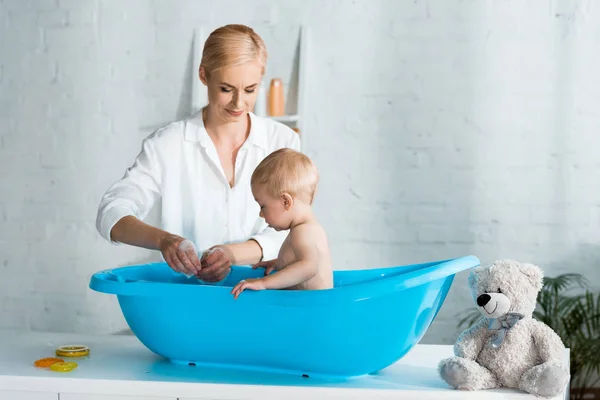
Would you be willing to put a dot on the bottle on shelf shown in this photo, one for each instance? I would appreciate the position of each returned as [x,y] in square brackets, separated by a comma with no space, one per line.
[276,98]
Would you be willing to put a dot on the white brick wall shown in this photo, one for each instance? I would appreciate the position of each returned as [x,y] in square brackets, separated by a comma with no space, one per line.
[471,127]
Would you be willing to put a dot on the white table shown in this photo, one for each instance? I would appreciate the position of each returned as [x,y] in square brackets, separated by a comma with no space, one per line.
[121,368]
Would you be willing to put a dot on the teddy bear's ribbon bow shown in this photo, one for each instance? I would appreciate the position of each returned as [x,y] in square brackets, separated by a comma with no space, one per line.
[501,326]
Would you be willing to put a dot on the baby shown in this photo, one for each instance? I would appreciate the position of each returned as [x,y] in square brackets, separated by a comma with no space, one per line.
[283,185]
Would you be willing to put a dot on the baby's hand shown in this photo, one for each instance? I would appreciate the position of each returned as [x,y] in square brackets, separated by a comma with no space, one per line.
[252,284]
[269,266]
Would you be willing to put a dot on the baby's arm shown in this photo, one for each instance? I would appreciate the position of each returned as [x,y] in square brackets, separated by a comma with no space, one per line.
[301,270]
[269,266]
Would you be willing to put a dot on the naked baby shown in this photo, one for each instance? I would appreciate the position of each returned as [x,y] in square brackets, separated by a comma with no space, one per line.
[284,185]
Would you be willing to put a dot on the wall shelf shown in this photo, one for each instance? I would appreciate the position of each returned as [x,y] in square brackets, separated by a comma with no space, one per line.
[285,118]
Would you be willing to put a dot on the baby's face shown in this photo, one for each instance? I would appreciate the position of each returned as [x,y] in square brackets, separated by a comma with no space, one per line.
[272,209]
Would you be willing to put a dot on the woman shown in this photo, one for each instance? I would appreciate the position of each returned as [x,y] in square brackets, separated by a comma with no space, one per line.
[201,168]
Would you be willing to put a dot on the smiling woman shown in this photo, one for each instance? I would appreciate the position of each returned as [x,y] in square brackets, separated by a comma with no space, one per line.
[201,168]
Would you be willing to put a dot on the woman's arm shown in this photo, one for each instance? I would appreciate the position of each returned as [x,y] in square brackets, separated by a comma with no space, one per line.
[128,201]
[216,264]
[133,195]
[179,253]
[245,253]
[132,231]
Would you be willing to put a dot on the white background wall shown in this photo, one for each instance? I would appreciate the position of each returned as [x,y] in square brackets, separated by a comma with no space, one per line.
[441,129]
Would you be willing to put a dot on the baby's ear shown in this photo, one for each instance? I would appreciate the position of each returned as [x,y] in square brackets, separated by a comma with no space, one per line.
[534,274]
[288,200]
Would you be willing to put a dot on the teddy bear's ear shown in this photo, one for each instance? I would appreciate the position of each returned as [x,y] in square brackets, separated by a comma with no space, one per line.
[474,276]
[534,273]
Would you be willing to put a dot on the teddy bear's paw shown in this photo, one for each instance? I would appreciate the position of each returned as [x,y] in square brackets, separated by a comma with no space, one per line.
[545,380]
[466,374]
[453,372]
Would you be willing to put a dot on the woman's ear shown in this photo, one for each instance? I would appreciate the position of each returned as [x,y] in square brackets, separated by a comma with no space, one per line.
[202,74]
[288,201]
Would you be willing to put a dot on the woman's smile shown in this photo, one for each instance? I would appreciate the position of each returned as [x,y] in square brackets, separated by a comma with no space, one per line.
[235,113]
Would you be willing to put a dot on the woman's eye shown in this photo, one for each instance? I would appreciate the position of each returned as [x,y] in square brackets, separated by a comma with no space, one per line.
[225,90]
[249,90]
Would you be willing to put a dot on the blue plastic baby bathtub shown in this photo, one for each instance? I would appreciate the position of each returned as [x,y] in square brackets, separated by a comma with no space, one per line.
[368,321]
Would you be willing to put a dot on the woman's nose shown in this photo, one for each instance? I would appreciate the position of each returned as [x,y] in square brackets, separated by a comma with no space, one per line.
[238,101]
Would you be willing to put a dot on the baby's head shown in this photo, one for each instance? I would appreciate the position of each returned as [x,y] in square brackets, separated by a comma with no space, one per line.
[284,184]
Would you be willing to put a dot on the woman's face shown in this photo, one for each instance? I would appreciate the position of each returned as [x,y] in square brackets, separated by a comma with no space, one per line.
[232,91]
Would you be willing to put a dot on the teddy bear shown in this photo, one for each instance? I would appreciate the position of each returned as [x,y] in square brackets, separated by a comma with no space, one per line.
[506,347]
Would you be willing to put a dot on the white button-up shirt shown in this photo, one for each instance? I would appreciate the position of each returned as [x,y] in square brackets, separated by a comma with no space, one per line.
[179,163]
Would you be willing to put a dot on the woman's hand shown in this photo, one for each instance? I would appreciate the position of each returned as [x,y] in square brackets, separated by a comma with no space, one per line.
[216,264]
[252,284]
[269,266]
[180,254]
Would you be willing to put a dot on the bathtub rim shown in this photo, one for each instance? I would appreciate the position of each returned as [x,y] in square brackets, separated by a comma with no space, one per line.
[103,282]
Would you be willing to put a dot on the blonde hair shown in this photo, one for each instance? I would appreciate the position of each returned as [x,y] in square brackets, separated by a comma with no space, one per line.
[287,170]
[232,45]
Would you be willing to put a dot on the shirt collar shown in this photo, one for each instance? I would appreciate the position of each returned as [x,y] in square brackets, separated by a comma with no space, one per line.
[196,132]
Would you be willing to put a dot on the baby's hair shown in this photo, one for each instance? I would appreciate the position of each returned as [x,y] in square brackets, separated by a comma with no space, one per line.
[232,45]
[287,170]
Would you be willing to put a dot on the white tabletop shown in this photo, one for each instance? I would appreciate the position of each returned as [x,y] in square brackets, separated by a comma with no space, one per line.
[122,365]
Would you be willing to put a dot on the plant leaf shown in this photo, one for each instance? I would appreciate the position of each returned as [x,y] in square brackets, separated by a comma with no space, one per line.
[565,282]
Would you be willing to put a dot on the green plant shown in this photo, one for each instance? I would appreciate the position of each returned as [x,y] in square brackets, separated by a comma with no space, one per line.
[572,310]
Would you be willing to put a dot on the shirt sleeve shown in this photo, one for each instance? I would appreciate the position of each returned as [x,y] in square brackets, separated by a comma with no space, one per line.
[269,239]
[135,194]
[295,142]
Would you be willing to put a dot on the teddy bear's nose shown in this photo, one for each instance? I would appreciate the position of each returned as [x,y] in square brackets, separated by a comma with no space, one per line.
[483,299]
